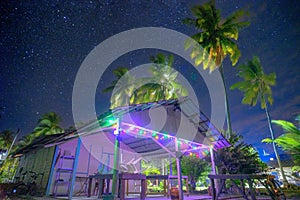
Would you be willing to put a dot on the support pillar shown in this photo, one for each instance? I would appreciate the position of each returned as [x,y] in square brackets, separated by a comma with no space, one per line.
[51,171]
[170,164]
[116,161]
[214,172]
[178,164]
[212,160]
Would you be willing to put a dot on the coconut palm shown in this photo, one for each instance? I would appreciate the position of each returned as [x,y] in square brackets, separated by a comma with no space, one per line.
[256,86]
[25,141]
[216,40]
[6,139]
[48,125]
[160,86]
[123,88]
[289,141]
[163,84]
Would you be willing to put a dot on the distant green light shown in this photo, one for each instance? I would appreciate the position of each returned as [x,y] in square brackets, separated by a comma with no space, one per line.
[154,134]
[111,121]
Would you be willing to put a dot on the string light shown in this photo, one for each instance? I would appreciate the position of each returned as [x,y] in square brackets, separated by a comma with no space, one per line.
[185,144]
[154,134]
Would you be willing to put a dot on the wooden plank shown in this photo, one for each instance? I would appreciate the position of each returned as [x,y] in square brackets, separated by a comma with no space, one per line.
[248,177]
[90,186]
[160,177]
[132,176]
[242,191]
[213,188]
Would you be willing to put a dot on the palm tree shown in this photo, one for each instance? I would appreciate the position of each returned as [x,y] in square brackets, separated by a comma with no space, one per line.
[216,40]
[289,141]
[6,139]
[48,125]
[160,86]
[163,84]
[123,88]
[256,86]
[25,141]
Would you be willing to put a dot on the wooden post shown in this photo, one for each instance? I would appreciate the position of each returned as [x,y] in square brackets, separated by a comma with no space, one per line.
[75,168]
[170,164]
[213,189]
[143,188]
[116,161]
[213,166]
[89,161]
[212,160]
[178,164]
[90,186]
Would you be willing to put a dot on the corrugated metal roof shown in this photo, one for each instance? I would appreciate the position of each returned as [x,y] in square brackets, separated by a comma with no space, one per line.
[206,135]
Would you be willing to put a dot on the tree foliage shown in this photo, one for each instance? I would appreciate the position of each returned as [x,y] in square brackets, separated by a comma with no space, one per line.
[289,141]
[149,168]
[161,85]
[239,158]
[256,85]
[6,139]
[48,125]
[25,141]
[7,166]
[195,167]
[123,88]
[217,36]
[215,41]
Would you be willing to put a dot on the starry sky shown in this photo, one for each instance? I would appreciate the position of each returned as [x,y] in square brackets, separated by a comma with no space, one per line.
[43,43]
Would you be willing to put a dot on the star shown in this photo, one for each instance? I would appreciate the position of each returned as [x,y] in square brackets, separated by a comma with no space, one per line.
[43,45]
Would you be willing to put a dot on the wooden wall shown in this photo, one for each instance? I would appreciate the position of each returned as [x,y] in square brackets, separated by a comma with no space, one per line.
[38,161]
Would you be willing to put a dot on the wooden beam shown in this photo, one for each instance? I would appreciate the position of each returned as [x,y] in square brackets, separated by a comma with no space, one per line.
[162,146]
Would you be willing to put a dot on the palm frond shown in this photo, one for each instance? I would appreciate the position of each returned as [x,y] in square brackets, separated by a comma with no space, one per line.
[267,140]
[287,126]
[215,38]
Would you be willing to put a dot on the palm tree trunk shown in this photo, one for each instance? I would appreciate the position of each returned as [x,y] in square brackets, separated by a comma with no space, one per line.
[228,118]
[285,182]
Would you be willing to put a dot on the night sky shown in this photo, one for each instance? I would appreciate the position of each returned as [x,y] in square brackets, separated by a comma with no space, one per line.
[43,44]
